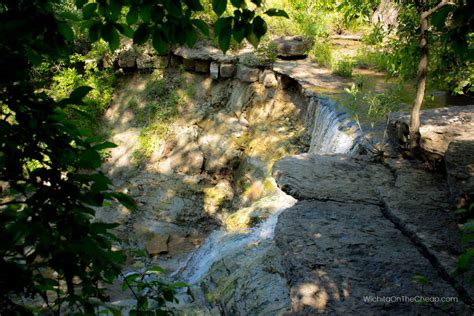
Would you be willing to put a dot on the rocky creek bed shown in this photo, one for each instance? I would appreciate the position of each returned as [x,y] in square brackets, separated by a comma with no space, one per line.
[229,202]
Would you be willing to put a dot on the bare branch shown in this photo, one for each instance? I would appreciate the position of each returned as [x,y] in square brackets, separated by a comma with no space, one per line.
[440,5]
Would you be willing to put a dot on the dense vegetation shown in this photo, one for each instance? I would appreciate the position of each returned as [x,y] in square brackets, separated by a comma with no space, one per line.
[53,89]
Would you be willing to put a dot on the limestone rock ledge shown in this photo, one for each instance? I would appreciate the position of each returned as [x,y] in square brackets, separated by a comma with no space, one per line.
[361,228]
[439,127]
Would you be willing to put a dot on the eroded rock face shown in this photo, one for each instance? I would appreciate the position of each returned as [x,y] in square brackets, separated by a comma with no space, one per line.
[227,70]
[158,244]
[459,160]
[268,79]
[247,74]
[439,127]
[127,57]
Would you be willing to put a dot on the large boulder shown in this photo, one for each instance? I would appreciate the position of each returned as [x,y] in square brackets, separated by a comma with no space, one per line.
[292,46]
[459,160]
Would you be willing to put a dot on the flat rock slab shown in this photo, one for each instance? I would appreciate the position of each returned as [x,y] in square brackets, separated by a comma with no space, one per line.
[313,79]
[407,194]
[332,177]
[207,53]
[438,128]
[335,254]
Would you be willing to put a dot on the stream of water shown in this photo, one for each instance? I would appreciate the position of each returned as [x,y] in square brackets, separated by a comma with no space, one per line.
[331,133]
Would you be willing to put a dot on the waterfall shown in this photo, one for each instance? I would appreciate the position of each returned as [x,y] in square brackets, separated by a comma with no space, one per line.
[332,131]
[222,243]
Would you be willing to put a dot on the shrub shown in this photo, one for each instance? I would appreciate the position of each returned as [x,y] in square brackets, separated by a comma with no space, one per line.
[343,68]
[322,53]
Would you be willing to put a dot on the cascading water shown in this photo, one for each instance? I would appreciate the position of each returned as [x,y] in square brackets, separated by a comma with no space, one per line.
[221,243]
[332,132]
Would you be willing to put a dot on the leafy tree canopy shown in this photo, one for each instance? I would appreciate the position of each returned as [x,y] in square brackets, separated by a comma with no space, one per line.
[50,247]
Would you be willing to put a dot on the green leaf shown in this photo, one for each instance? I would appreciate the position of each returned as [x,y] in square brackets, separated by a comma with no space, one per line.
[66,31]
[191,37]
[464,259]
[173,8]
[420,279]
[90,159]
[104,145]
[80,3]
[94,32]
[276,12]
[130,278]
[141,34]
[239,32]
[125,30]
[224,31]
[34,57]
[257,2]
[180,284]
[145,13]
[113,10]
[110,34]
[194,5]
[88,10]
[155,270]
[78,94]
[259,27]
[159,43]
[125,200]
[132,16]
[238,3]
[219,6]
[201,25]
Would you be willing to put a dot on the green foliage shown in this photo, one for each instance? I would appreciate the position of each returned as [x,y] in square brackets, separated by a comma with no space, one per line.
[372,107]
[306,17]
[161,103]
[47,214]
[464,266]
[322,53]
[50,246]
[265,55]
[343,68]
[450,40]
[151,292]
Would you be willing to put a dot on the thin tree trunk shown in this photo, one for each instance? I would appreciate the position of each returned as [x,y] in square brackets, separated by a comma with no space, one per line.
[414,140]
[415,137]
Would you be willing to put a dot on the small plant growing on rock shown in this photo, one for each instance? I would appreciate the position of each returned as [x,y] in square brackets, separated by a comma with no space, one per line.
[264,56]
[373,108]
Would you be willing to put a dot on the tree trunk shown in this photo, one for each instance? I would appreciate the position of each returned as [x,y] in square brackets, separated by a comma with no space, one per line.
[414,139]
